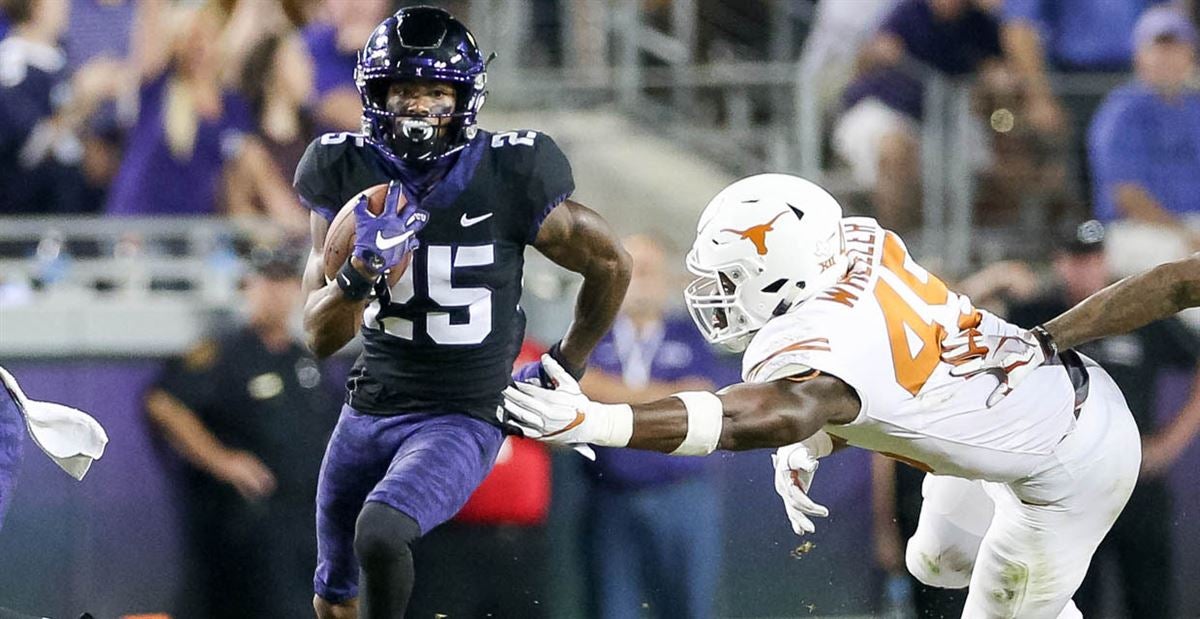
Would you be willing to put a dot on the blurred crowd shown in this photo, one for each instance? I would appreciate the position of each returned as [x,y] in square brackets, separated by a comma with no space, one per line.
[1078,112]
[153,107]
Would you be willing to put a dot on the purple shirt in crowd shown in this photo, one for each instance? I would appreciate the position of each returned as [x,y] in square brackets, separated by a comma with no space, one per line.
[38,174]
[153,181]
[1082,35]
[333,68]
[954,47]
[1138,136]
[674,352]
[98,27]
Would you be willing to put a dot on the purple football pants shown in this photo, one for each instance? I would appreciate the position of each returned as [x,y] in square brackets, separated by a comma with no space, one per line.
[424,465]
[12,435]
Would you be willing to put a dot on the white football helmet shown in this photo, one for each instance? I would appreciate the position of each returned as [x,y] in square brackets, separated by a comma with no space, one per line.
[764,244]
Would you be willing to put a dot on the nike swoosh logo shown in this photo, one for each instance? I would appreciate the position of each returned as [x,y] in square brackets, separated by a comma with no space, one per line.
[467,222]
[383,242]
[579,417]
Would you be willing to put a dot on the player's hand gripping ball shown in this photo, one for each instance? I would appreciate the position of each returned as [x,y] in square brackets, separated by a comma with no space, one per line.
[379,227]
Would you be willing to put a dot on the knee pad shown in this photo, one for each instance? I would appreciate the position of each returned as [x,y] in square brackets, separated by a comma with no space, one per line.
[383,534]
[946,568]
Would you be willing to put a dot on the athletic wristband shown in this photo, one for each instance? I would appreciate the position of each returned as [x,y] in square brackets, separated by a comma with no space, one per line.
[355,286]
[555,353]
[705,414]
[618,429]
[1045,340]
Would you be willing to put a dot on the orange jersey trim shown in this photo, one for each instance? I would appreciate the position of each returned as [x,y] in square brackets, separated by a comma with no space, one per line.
[819,344]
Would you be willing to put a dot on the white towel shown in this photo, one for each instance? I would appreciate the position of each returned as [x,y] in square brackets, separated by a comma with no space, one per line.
[68,435]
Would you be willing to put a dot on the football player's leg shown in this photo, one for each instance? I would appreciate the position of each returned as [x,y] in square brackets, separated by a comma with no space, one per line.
[433,473]
[383,541]
[1047,528]
[955,515]
[12,435]
[357,457]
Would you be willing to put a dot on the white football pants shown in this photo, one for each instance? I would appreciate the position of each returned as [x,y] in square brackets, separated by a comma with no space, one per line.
[1024,547]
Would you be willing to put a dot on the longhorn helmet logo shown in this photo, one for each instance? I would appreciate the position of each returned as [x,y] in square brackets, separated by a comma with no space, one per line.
[756,234]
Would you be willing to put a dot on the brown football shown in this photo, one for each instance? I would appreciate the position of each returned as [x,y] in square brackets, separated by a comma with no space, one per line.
[339,240]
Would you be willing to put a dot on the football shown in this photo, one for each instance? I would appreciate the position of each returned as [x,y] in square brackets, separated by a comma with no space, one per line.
[339,240]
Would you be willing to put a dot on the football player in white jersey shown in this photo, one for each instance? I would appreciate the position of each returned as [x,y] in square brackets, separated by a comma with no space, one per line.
[842,335]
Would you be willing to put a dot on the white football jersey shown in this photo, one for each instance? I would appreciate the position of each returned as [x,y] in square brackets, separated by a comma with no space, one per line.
[880,330]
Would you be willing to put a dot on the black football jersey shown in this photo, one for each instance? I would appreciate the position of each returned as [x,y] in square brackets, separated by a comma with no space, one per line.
[444,338]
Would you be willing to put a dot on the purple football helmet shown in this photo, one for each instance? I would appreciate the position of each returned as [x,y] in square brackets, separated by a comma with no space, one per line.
[420,43]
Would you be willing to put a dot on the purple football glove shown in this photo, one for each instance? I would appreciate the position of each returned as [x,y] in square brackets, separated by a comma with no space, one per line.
[534,373]
[382,242]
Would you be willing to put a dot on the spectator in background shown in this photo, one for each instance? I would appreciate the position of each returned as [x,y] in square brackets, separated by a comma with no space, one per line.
[332,44]
[838,32]
[1144,144]
[248,412]
[1068,36]
[276,78]
[43,110]
[653,536]
[188,127]
[878,134]
[490,561]
[1139,544]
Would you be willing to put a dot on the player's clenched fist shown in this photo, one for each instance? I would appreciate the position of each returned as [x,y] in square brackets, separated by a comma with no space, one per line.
[382,241]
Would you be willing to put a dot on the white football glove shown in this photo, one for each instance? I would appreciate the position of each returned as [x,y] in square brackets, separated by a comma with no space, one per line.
[1010,355]
[794,468]
[563,415]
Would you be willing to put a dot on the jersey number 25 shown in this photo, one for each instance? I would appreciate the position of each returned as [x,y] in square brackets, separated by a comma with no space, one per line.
[442,262]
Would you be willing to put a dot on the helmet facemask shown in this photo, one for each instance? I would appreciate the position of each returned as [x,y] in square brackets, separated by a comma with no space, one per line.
[714,302]
[421,138]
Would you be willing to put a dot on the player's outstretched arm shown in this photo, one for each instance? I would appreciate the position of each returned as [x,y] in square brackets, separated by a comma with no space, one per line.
[1122,307]
[579,240]
[1130,303]
[742,417]
[330,317]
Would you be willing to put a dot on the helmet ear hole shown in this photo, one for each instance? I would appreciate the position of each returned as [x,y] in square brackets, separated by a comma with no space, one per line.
[775,286]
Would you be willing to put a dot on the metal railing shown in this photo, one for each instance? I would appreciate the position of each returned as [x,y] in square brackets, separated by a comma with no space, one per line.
[94,286]
[755,106]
